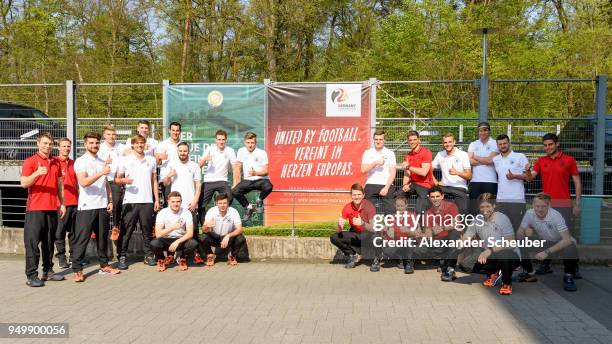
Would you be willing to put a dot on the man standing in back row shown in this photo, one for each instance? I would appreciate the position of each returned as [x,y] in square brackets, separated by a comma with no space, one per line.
[418,176]
[481,153]
[379,163]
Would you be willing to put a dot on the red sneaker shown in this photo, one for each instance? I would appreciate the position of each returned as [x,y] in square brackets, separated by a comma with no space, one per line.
[490,282]
[79,277]
[231,260]
[198,259]
[506,289]
[210,259]
[115,233]
[160,265]
[168,260]
[183,264]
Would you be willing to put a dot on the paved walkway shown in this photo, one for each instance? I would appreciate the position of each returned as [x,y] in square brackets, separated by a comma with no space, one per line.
[276,302]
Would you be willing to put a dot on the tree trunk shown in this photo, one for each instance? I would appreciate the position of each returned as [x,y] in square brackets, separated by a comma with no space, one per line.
[186,37]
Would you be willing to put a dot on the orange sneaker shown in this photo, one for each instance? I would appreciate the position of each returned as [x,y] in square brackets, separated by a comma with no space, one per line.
[231,260]
[160,265]
[490,282]
[198,259]
[183,264]
[506,289]
[168,260]
[93,235]
[79,277]
[115,233]
[109,270]
[210,259]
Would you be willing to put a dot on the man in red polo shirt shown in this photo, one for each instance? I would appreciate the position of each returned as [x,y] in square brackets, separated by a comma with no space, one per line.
[71,199]
[360,214]
[556,168]
[418,176]
[41,175]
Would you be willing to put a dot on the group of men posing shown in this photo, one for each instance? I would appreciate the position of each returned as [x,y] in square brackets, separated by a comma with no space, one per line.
[496,176]
[114,187]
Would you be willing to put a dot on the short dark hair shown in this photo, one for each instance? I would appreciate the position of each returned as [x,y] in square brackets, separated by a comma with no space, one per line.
[379,132]
[502,137]
[357,187]
[144,121]
[222,133]
[221,197]
[401,198]
[64,139]
[174,124]
[174,194]
[550,136]
[91,135]
[183,143]
[413,133]
[486,197]
[435,188]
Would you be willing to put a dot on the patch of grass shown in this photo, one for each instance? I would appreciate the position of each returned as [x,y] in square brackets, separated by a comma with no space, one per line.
[310,230]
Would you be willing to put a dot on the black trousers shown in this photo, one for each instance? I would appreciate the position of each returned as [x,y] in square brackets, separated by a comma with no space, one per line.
[185,249]
[134,213]
[505,260]
[569,256]
[477,189]
[422,201]
[65,226]
[39,229]
[350,242]
[447,255]
[245,186]
[515,212]
[88,221]
[372,194]
[165,190]
[208,191]
[212,239]
[117,193]
[460,197]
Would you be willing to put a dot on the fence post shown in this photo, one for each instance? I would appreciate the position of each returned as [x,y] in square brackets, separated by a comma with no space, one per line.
[460,132]
[293,215]
[71,115]
[509,132]
[165,84]
[483,99]
[373,84]
[601,84]
[1,210]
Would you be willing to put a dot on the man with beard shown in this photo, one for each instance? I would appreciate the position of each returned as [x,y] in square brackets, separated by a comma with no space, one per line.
[184,176]
[218,159]
[166,152]
[456,171]
[71,198]
[418,176]
[41,175]
[111,152]
[254,163]
[95,205]
[141,199]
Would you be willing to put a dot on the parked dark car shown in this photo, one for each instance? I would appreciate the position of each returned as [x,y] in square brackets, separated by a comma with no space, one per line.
[578,135]
[19,127]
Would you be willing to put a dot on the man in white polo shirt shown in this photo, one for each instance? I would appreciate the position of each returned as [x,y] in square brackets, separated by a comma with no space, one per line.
[484,177]
[143,129]
[550,226]
[111,152]
[218,159]
[173,233]
[141,199]
[95,205]
[222,228]
[165,152]
[379,163]
[512,170]
[456,171]
[254,164]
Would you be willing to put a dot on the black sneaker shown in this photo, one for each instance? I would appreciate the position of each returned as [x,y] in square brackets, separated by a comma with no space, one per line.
[568,283]
[448,275]
[526,277]
[543,269]
[400,264]
[35,282]
[375,267]
[63,261]
[122,264]
[259,206]
[247,214]
[150,261]
[409,267]
[52,276]
[350,261]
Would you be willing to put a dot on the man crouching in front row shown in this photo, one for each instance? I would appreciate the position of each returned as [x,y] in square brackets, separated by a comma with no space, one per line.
[360,215]
[173,233]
